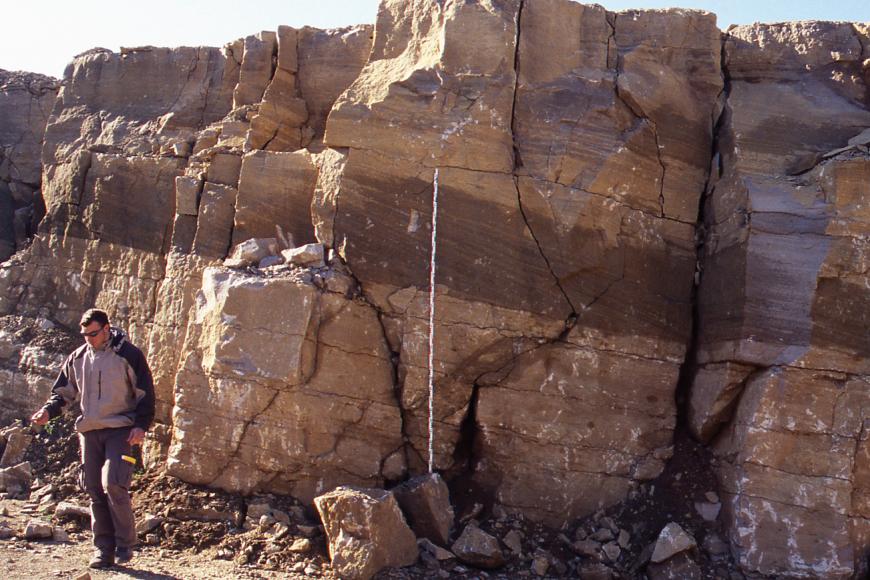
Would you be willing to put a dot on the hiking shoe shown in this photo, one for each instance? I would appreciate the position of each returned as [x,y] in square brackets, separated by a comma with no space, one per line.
[123,555]
[101,559]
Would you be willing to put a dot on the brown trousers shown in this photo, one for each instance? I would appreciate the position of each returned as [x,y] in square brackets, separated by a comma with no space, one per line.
[106,477]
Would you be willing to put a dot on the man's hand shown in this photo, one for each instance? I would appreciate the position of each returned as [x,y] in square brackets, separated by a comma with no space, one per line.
[136,436]
[40,418]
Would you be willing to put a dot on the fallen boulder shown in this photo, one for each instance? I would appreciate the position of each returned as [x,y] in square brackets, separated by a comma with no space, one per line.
[425,500]
[477,548]
[671,541]
[307,255]
[68,509]
[17,441]
[17,478]
[38,530]
[250,252]
[366,531]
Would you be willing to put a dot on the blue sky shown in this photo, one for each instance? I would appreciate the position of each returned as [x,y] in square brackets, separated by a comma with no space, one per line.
[43,35]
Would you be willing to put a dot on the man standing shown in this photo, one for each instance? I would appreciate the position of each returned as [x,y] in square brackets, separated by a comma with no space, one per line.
[110,379]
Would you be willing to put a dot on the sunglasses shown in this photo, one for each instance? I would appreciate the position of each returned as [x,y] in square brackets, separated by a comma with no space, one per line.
[92,333]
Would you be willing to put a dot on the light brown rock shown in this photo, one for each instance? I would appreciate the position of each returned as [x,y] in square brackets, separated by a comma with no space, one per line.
[783,290]
[672,540]
[715,391]
[366,531]
[425,501]
[256,68]
[38,530]
[275,189]
[251,350]
[16,478]
[26,100]
[16,446]
[310,255]
[477,548]
[278,125]
[67,509]
[187,192]
[329,61]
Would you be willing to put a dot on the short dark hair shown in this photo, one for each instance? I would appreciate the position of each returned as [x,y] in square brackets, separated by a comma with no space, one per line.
[94,315]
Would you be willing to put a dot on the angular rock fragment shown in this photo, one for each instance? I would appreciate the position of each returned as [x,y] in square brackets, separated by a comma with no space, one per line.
[187,192]
[17,478]
[251,251]
[425,501]
[38,530]
[310,255]
[287,383]
[679,567]
[708,511]
[275,189]
[477,548]
[366,531]
[17,442]
[148,523]
[67,509]
[672,540]
[435,550]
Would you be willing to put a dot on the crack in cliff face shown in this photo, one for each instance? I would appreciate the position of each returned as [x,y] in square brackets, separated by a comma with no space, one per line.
[690,366]
[517,159]
[234,454]
[541,249]
[636,110]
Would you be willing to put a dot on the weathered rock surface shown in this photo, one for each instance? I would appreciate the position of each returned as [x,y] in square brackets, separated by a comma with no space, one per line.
[366,531]
[38,530]
[573,150]
[425,501]
[31,352]
[672,540]
[301,380]
[14,441]
[782,345]
[524,222]
[16,478]
[477,548]
[26,100]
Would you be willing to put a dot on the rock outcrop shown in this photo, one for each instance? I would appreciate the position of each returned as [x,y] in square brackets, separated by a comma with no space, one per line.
[782,346]
[533,114]
[26,100]
[633,208]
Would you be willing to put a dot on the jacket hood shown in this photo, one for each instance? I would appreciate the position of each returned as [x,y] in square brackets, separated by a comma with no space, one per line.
[117,338]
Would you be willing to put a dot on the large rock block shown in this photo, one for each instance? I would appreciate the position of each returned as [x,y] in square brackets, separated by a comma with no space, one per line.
[366,531]
[796,482]
[282,113]
[425,500]
[301,382]
[560,458]
[256,68]
[540,229]
[443,75]
[275,189]
[329,61]
[30,356]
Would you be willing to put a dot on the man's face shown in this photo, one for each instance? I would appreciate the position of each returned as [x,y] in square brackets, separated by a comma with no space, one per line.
[95,334]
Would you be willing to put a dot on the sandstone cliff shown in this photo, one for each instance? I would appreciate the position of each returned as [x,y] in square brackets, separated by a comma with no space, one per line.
[25,102]
[634,208]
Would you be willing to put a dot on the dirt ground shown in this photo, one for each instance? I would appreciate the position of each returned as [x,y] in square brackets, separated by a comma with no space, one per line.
[38,560]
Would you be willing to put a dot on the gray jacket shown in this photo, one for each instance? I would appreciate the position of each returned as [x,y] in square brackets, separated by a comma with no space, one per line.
[113,386]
